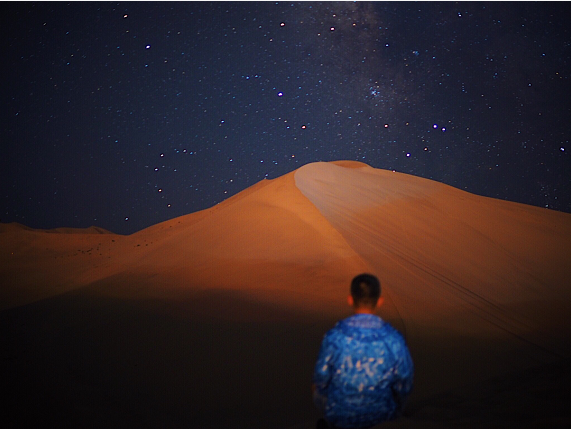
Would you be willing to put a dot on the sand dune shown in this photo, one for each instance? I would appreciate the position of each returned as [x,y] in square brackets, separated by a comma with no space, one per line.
[214,319]
[455,265]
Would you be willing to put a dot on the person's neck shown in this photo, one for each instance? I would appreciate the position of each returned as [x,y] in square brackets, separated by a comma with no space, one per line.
[364,310]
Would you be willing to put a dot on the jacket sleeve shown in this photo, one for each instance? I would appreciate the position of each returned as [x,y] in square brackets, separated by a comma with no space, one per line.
[324,366]
[404,371]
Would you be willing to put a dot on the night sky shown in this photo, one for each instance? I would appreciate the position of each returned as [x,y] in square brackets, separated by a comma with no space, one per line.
[124,115]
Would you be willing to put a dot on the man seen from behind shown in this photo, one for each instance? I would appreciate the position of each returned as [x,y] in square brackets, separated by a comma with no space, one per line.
[364,371]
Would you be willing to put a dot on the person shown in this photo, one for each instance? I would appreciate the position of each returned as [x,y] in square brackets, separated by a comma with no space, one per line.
[364,371]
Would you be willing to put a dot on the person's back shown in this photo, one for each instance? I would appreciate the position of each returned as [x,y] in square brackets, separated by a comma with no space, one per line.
[364,371]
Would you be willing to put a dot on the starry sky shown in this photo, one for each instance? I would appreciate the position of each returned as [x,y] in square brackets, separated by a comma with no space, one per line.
[124,115]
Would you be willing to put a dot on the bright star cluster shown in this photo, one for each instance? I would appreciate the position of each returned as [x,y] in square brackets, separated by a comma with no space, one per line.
[123,115]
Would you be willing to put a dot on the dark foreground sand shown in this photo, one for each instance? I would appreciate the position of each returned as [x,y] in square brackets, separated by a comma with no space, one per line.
[213,320]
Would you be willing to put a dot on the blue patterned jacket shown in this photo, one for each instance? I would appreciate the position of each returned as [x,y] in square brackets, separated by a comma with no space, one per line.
[364,372]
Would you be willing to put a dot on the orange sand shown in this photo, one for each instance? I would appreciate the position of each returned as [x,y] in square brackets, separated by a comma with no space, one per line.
[214,319]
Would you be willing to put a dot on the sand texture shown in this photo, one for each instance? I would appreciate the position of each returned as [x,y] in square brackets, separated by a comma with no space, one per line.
[214,319]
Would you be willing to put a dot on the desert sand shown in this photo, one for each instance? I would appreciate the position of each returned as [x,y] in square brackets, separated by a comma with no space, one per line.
[214,319]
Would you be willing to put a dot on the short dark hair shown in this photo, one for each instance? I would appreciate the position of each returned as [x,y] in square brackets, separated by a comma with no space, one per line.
[365,290]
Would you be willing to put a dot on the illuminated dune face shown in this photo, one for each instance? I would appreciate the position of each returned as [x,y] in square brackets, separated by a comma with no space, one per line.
[478,286]
[474,281]
[484,279]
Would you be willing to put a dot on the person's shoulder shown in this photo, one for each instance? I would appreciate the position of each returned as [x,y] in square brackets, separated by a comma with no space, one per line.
[393,336]
[337,329]
[344,328]
[334,338]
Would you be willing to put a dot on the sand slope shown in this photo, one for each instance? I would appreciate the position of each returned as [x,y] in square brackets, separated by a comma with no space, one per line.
[214,319]
[460,268]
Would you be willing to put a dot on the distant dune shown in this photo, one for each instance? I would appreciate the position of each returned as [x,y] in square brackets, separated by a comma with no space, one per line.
[215,318]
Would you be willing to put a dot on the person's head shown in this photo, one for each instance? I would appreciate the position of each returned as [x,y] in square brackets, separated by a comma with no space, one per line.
[365,293]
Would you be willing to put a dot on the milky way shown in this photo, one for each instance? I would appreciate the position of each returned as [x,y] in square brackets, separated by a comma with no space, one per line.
[125,115]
